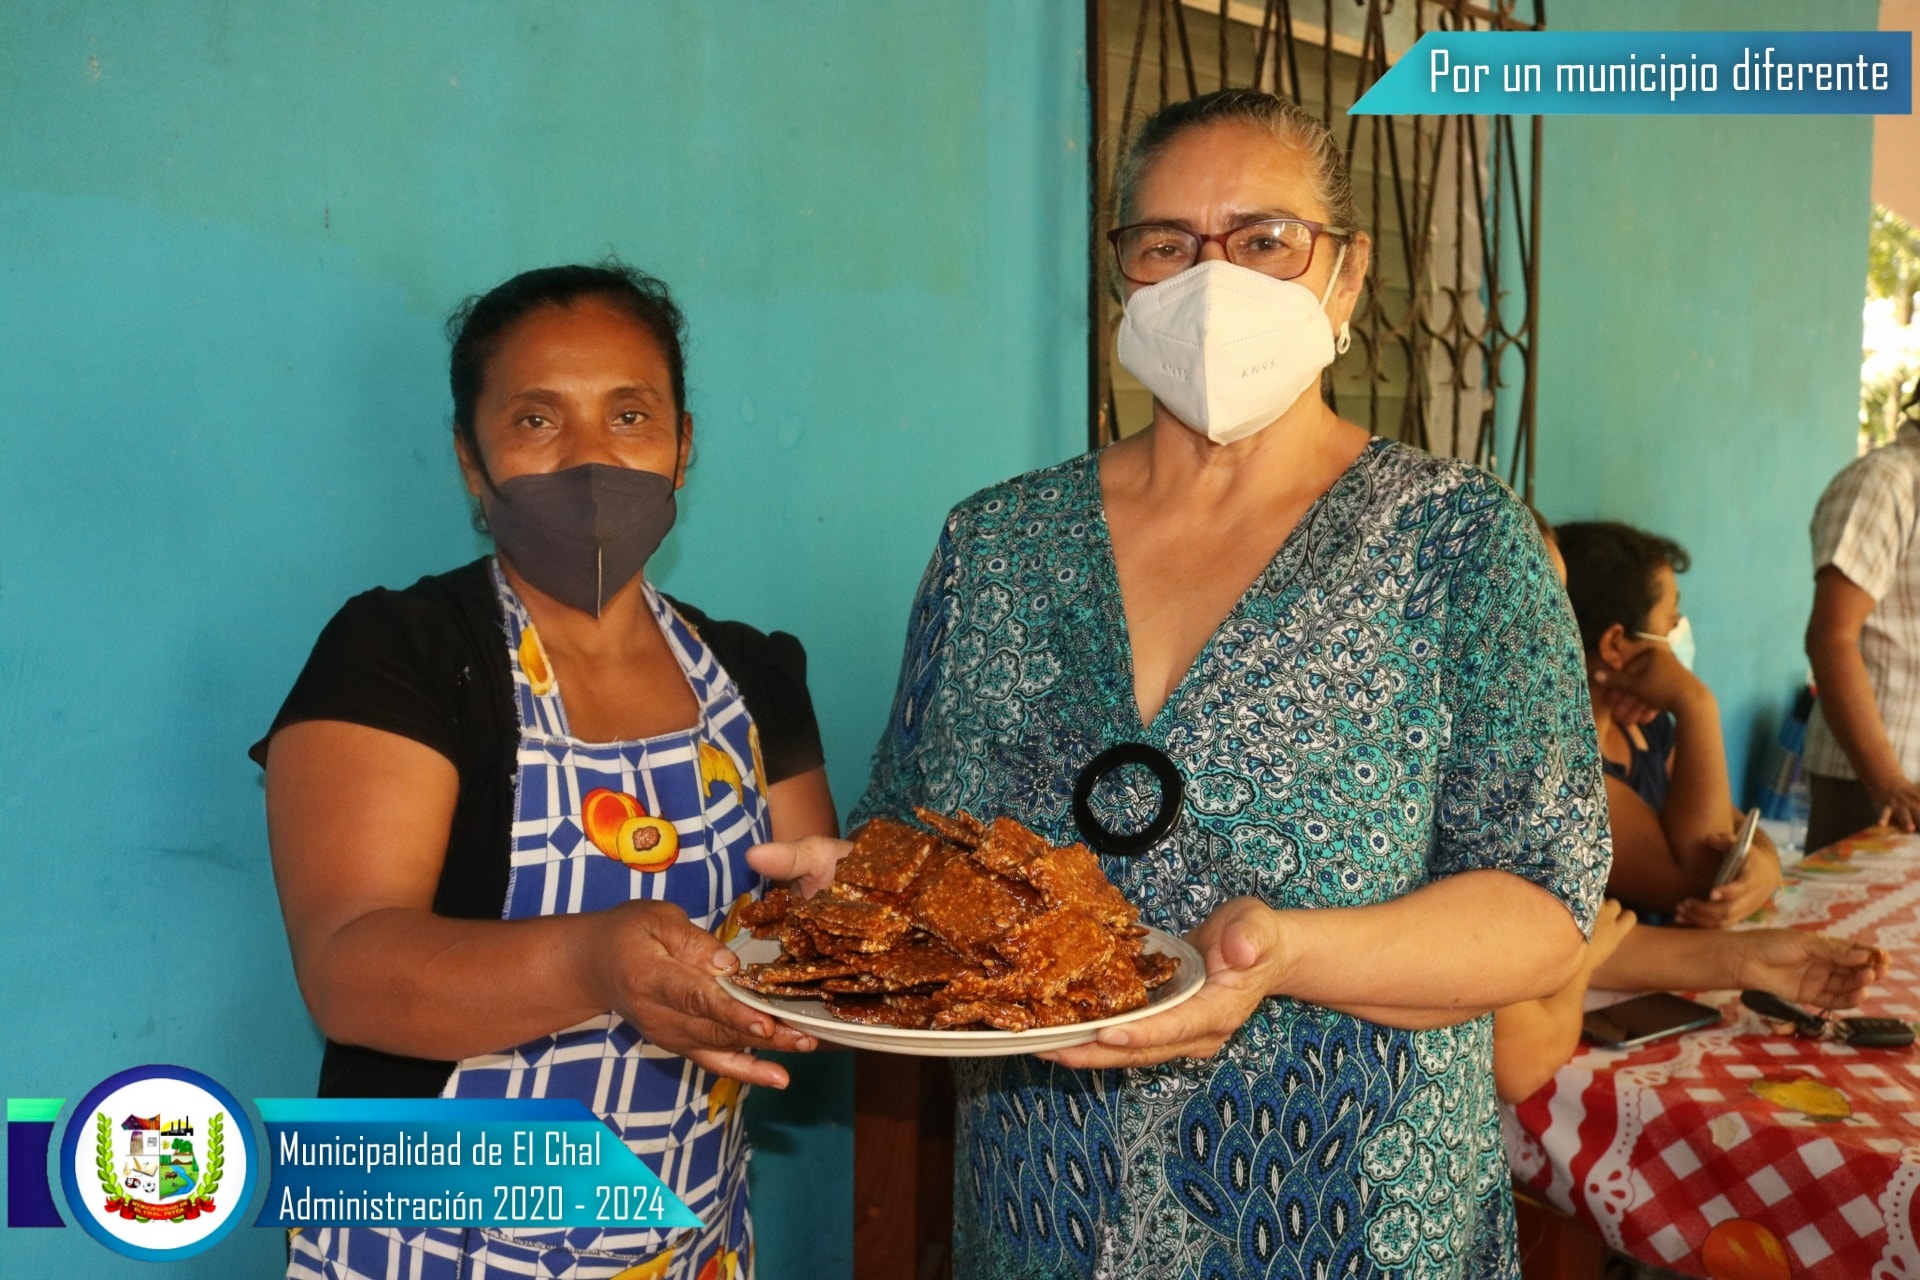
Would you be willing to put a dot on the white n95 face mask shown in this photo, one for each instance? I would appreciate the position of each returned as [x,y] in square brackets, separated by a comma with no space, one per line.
[1228,350]
[1680,640]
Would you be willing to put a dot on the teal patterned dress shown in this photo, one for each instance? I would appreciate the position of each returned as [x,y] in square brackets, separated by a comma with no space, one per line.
[1398,697]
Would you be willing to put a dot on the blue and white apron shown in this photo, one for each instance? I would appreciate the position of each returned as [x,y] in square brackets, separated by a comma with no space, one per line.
[685,1123]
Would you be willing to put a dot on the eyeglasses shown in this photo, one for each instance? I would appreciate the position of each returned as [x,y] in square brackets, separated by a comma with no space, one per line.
[1149,252]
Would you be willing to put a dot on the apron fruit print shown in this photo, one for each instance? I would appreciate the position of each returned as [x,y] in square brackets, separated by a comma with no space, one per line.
[665,819]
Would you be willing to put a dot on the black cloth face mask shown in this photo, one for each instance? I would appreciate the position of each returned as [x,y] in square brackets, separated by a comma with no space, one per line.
[581,534]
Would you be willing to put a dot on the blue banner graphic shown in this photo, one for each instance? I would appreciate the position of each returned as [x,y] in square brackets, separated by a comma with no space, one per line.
[455,1162]
[29,1138]
[1665,73]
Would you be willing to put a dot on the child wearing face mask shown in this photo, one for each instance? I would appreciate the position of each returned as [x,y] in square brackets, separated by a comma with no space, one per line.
[1533,1039]
[1673,815]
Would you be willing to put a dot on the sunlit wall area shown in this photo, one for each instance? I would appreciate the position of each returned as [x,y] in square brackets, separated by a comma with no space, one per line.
[229,235]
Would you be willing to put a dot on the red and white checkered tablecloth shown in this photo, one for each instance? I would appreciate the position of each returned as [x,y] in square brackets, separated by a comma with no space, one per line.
[1740,1154]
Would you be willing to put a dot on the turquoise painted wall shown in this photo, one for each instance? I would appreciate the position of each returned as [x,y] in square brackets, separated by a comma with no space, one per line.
[1700,292]
[228,234]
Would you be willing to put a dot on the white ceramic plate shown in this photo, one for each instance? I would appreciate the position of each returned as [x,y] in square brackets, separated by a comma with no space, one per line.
[812,1016]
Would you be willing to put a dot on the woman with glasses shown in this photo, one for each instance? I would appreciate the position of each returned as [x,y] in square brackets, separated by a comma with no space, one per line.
[1355,765]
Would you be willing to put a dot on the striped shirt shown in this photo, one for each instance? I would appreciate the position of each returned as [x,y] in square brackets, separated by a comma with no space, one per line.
[1866,526]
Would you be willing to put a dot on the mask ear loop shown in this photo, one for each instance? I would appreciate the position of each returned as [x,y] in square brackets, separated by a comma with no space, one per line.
[1344,338]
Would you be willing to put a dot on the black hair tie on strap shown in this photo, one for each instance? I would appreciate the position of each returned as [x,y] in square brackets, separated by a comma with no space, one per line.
[1173,794]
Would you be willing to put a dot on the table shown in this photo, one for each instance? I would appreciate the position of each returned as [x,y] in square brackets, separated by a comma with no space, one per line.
[1737,1153]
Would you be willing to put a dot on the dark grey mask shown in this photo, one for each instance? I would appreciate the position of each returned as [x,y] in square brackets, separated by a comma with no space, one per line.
[581,534]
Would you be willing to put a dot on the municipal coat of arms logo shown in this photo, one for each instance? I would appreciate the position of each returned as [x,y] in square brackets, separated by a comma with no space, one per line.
[158,1162]
[160,1177]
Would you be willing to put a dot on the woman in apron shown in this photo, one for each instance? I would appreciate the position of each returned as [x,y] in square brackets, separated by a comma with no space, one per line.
[509,805]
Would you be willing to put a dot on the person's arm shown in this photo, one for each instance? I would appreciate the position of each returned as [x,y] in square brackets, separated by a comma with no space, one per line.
[358,820]
[1443,954]
[1840,611]
[1742,896]
[1535,1038]
[1660,859]
[802,806]
[1810,968]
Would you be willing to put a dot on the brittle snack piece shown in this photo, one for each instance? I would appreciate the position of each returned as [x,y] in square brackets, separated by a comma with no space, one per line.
[1010,849]
[912,1013]
[864,984]
[968,908]
[1155,968]
[936,863]
[839,925]
[785,976]
[969,926]
[1072,875]
[769,910]
[962,828]
[1051,950]
[886,856]
[796,943]
[1000,1015]
[920,964]
[1112,986]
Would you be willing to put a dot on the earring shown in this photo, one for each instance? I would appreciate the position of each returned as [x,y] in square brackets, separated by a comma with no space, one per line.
[1345,339]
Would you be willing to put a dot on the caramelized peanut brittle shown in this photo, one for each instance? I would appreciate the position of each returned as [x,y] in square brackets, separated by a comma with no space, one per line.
[1072,875]
[1112,986]
[962,829]
[910,1013]
[1010,849]
[1051,950]
[967,907]
[1155,968]
[927,964]
[771,909]
[789,972]
[1001,1016]
[839,925]
[795,942]
[855,984]
[968,926]
[887,857]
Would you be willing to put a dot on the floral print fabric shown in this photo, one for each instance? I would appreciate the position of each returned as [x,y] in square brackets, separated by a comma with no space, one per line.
[1398,697]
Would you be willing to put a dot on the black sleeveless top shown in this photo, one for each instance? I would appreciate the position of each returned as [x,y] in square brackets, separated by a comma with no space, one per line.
[1646,771]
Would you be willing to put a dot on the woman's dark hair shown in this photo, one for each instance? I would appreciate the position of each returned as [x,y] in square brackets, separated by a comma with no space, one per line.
[478,325]
[1286,120]
[1610,573]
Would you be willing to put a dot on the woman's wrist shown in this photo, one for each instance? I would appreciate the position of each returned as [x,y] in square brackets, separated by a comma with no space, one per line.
[1733,955]
[1282,933]
[1695,701]
[1883,779]
[592,958]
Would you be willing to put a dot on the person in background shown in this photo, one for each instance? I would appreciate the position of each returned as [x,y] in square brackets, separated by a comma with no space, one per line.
[509,804]
[1863,639]
[1533,1039]
[1669,799]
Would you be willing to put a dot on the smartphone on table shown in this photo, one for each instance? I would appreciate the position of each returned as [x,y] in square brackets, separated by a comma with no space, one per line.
[1645,1018]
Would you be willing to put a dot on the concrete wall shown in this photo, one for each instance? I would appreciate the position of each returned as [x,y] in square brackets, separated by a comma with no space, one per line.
[1700,293]
[228,234]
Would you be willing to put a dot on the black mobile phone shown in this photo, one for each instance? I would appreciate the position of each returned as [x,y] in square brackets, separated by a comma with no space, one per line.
[1861,1033]
[1876,1033]
[1649,1017]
